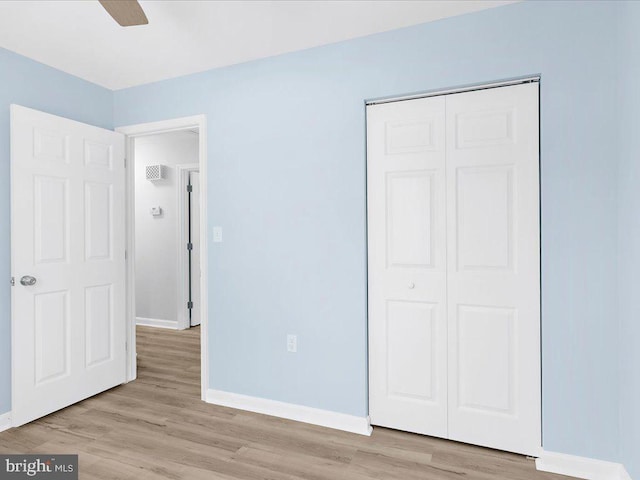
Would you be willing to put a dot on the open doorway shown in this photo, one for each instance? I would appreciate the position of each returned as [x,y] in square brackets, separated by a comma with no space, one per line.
[167,246]
[166,232]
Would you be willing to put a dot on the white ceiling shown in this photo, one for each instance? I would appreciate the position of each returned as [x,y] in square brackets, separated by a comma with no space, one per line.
[185,36]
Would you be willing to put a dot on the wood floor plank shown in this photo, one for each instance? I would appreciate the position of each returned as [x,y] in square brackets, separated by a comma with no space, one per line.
[157,428]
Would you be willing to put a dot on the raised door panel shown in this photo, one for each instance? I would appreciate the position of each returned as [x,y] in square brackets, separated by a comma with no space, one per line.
[484,217]
[98,221]
[98,324]
[51,219]
[408,136]
[411,350]
[486,358]
[51,146]
[409,219]
[484,128]
[98,155]
[52,349]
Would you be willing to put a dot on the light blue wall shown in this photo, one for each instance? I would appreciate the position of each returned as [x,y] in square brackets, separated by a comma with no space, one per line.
[287,182]
[34,85]
[629,235]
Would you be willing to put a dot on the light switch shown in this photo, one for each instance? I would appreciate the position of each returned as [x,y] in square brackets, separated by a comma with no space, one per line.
[156,211]
[217,234]
[292,343]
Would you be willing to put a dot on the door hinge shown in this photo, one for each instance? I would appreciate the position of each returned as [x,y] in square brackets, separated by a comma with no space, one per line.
[189,188]
[13,281]
[189,304]
[189,246]
[125,162]
[125,254]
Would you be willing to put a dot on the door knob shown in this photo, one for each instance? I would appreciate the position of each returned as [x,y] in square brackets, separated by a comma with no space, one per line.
[412,285]
[28,280]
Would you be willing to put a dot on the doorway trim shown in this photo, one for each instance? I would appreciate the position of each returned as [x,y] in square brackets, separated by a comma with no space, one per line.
[132,132]
[182,180]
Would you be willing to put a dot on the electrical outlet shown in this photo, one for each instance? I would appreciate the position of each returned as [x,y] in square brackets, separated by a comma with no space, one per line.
[292,343]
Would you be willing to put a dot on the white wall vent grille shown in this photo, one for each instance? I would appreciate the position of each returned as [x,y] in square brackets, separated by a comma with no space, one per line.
[155,172]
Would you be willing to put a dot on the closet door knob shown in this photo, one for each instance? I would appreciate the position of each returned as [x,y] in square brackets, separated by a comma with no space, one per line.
[412,285]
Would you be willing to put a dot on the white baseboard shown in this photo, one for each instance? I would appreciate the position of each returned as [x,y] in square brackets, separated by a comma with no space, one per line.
[156,322]
[5,421]
[300,413]
[581,467]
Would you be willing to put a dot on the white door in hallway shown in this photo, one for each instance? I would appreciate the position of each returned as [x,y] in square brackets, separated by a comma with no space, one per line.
[194,235]
[454,267]
[68,261]
[493,287]
[407,266]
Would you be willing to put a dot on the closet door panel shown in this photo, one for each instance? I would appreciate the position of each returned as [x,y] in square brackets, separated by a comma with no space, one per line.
[407,265]
[493,268]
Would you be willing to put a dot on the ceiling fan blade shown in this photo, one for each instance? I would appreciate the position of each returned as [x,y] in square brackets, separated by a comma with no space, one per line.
[126,12]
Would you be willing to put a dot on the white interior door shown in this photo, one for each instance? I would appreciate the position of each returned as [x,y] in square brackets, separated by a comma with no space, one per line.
[407,265]
[67,233]
[494,268]
[194,221]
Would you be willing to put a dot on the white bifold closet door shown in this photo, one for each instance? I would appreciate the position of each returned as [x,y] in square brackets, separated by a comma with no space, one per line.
[460,359]
[493,268]
[408,265]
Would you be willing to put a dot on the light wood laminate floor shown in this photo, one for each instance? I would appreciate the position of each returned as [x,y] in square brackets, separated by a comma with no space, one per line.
[158,428]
